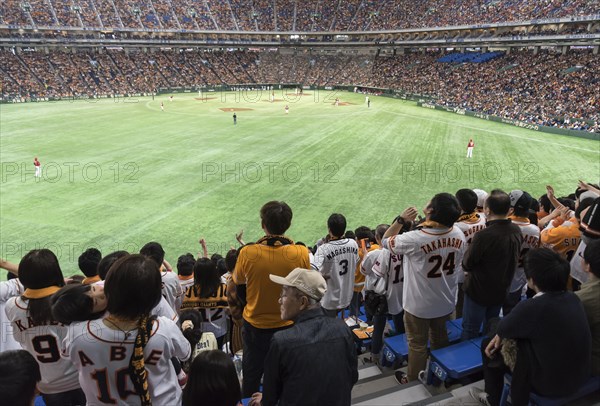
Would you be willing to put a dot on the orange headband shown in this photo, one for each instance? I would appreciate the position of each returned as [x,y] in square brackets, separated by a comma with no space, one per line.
[40,293]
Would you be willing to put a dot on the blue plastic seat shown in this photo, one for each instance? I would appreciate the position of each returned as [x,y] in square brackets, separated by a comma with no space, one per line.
[455,361]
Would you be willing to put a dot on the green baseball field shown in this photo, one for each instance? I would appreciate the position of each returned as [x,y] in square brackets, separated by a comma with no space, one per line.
[117,173]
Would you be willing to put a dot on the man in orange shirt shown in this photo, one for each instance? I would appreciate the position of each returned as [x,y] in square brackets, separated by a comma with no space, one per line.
[273,254]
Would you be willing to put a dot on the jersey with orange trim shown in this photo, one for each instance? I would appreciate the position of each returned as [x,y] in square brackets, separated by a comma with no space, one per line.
[389,266]
[563,239]
[270,255]
[469,226]
[101,356]
[213,308]
[359,277]
[431,256]
[8,289]
[44,343]
[531,239]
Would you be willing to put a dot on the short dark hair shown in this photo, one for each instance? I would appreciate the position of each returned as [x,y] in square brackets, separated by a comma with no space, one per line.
[19,375]
[231,259]
[498,202]
[549,271]
[212,376]
[108,261]
[467,200]
[380,230]
[337,224]
[565,201]
[583,204]
[155,251]
[545,203]
[72,303]
[363,232]
[350,234]
[185,264]
[445,209]
[88,262]
[39,269]
[133,286]
[276,217]
[591,255]
[221,268]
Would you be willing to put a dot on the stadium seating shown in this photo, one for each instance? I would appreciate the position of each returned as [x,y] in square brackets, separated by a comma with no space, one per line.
[456,361]
[591,386]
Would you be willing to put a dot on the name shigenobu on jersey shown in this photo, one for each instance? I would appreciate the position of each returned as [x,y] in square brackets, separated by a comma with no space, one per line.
[442,243]
[342,250]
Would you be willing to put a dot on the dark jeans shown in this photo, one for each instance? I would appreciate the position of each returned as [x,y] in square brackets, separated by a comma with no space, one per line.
[355,304]
[493,375]
[74,397]
[256,345]
[378,327]
[474,314]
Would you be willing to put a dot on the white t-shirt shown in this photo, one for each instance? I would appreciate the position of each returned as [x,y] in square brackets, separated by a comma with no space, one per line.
[8,289]
[431,256]
[43,342]
[389,266]
[101,356]
[531,239]
[337,260]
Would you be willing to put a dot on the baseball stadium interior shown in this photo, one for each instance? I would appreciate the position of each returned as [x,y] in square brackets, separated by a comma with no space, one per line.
[535,63]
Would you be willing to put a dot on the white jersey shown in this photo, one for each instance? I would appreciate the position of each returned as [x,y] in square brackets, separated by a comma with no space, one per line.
[171,290]
[43,342]
[577,271]
[469,227]
[101,355]
[431,256]
[337,260]
[187,281]
[165,310]
[531,239]
[389,266]
[8,289]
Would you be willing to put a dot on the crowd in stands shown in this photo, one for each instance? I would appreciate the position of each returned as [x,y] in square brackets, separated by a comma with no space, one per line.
[283,15]
[135,328]
[549,88]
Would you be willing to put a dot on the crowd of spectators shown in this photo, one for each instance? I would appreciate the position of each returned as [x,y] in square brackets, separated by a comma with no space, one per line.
[549,88]
[284,15]
[174,327]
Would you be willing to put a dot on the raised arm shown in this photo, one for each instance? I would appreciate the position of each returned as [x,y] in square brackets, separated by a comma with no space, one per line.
[9,266]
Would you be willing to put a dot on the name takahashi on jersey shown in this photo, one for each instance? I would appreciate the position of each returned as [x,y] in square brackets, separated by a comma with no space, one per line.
[442,243]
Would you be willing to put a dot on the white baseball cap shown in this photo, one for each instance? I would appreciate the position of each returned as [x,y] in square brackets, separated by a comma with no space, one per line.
[307,281]
[481,196]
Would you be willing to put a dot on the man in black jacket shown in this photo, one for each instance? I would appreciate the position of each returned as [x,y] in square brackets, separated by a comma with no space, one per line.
[314,362]
[489,265]
[551,333]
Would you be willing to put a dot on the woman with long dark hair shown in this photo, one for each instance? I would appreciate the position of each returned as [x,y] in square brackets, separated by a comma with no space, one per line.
[212,381]
[124,357]
[39,333]
[209,296]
